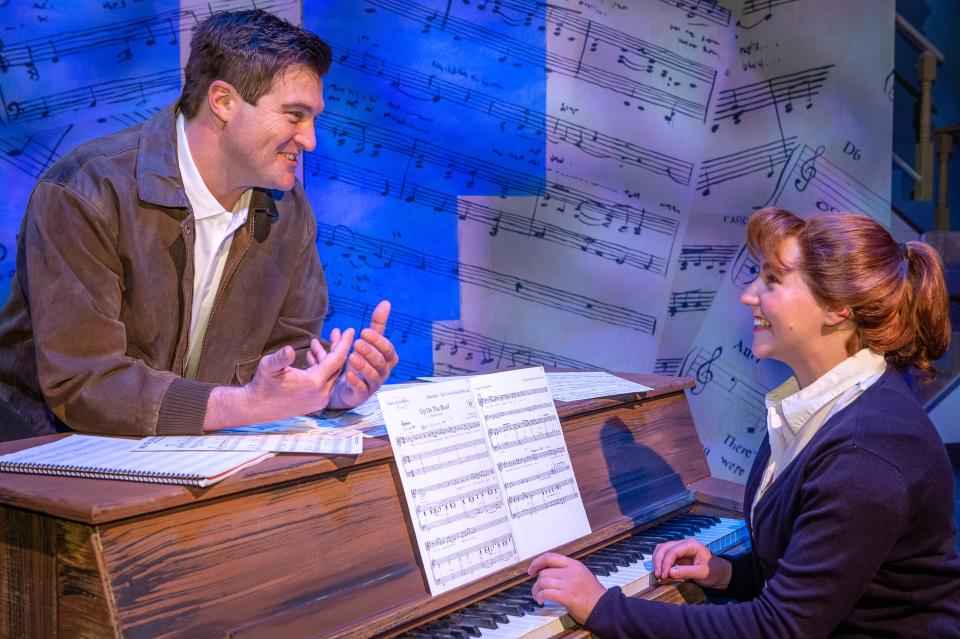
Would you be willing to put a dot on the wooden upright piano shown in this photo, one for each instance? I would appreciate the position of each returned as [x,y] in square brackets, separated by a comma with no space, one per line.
[306,546]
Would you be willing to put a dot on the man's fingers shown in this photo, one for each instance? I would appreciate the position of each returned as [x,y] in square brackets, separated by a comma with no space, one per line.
[316,353]
[278,360]
[378,321]
[334,336]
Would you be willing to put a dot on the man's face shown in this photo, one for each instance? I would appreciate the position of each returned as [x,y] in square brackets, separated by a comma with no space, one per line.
[264,141]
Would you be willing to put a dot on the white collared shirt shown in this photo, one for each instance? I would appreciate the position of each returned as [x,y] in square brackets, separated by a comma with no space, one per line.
[794,416]
[214,227]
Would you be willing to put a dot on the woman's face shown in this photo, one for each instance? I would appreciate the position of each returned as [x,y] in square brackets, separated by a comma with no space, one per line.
[788,322]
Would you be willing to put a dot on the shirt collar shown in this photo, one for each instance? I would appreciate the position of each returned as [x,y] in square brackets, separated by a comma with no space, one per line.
[202,200]
[798,405]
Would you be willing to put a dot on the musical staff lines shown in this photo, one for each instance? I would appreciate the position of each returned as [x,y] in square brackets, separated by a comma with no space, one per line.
[755,6]
[428,87]
[368,250]
[692,78]
[444,457]
[706,9]
[712,372]
[486,350]
[558,468]
[495,219]
[452,483]
[667,365]
[692,301]
[488,553]
[782,89]
[532,508]
[446,540]
[91,96]
[745,269]
[838,190]
[31,154]
[167,27]
[589,209]
[746,162]
[709,256]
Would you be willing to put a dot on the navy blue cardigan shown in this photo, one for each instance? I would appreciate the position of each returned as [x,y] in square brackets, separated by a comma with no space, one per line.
[856,538]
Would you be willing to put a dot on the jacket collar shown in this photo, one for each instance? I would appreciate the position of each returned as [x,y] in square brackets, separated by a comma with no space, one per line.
[158,172]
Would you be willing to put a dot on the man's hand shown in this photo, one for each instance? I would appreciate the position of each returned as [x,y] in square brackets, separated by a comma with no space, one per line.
[279,390]
[369,364]
[567,582]
[690,559]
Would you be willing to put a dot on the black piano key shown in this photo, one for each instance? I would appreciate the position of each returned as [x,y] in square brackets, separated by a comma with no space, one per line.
[472,620]
[599,570]
[638,545]
[513,610]
[710,520]
[620,559]
[440,629]
[681,529]
[496,616]
[525,603]
[657,539]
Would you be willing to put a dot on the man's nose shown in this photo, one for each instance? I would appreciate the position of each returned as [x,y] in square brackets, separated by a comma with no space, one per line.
[306,137]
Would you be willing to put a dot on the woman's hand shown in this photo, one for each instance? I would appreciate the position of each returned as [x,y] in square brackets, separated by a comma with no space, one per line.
[690,559]
[567,582]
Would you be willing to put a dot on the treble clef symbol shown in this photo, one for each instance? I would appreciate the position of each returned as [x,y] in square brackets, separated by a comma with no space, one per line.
[704,374]
[808,169]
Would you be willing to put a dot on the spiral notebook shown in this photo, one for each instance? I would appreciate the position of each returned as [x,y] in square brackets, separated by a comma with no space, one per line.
[112,458]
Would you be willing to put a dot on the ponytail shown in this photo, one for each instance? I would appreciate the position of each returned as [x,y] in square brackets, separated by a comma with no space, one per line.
[924,309]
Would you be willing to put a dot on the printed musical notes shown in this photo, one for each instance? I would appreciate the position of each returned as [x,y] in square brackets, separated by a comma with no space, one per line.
[363,247]
[558,130]
[707,256]
[751,7]
[733,103]
[706,9]
[485,469]
[682,82]
[95,95]
[731,166]
[690,301]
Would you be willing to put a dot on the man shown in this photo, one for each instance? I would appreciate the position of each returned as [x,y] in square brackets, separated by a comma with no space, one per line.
[168,280]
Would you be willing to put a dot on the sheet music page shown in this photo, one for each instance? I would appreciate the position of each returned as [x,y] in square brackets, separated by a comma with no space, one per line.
[484,488]
[533,465]
[454,499]
[113,454]
[568,387]
[331,441]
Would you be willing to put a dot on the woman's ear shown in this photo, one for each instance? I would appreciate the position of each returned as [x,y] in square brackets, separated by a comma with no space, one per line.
[832,317]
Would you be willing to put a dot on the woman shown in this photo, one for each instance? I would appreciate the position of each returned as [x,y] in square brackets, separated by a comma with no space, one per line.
[850,499]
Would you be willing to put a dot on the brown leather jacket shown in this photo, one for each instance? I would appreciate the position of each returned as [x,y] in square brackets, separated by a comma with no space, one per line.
[96,326]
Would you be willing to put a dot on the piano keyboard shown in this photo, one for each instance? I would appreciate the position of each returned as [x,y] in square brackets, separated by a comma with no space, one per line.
[627,563]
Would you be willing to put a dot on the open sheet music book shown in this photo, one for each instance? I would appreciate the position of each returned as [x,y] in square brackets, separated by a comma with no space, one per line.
[485,472]
[113,458]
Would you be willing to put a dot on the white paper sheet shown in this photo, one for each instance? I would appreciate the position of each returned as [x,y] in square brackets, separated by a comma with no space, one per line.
[328,441]
[485,488]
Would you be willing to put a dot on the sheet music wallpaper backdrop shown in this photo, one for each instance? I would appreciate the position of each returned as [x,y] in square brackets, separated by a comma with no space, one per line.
[561,184]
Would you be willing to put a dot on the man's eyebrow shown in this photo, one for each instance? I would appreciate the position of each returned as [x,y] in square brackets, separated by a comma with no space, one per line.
[297,106]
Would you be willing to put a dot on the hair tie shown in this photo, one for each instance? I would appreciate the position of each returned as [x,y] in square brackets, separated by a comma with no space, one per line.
[905,251]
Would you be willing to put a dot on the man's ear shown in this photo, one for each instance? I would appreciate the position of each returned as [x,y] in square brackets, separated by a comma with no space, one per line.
[223,100]
[832,317]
